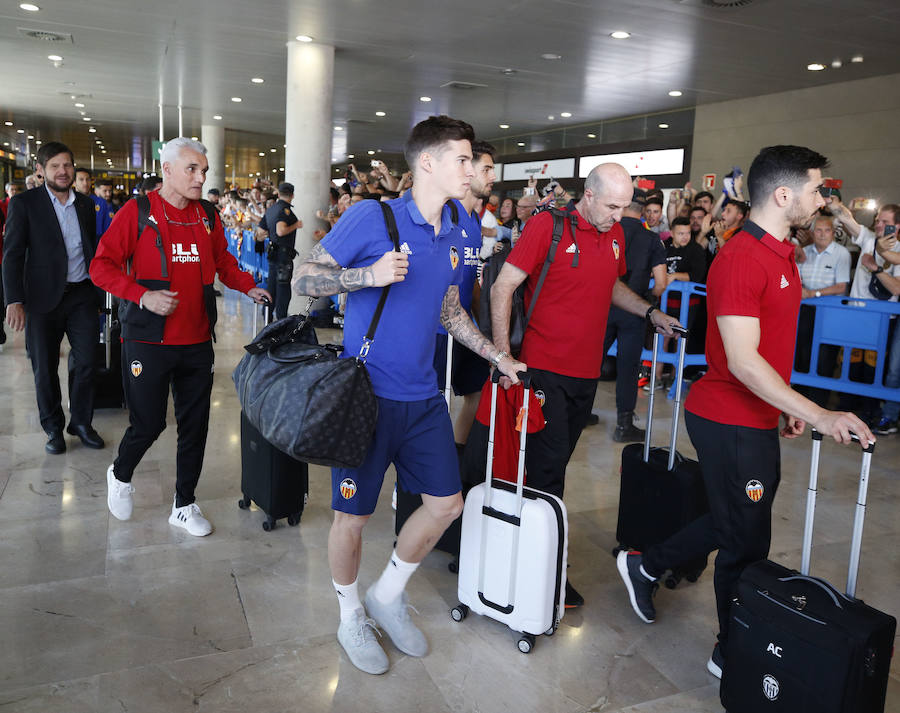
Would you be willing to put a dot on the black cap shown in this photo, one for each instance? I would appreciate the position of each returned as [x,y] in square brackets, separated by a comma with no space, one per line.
[213,191]
[640,196]
[286,188]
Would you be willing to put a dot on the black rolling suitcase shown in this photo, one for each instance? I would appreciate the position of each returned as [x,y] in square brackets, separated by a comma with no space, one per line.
[109,390]
[797,644]
[660,490]
[275,481]
[408,503]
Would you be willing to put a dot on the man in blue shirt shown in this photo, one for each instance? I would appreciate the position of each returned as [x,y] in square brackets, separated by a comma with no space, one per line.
[469,370]
[413,430]
[83,178]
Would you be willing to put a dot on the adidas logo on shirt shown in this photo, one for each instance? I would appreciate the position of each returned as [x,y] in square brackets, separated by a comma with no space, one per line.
[405,249]
[784,282]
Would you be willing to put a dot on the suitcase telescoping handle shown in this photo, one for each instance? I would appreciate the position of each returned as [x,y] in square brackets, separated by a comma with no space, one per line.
[858,519]
[449,370]
[107,330]
[679,373]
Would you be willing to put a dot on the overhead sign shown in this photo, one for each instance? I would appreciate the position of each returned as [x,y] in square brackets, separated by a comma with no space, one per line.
[156,148]
[638,163]
[556,168]
[709,181]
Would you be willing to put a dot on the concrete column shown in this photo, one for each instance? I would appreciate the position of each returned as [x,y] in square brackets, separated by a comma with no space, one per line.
[213,137]
[308,127]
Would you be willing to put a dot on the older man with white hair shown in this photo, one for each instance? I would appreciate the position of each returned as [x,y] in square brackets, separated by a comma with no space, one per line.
[563,343]
[160,256]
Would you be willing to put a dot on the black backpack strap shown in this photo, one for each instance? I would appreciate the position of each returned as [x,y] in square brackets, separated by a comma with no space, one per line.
[559,223]
[210,211]
[145,220]
[391,224]
[454,212]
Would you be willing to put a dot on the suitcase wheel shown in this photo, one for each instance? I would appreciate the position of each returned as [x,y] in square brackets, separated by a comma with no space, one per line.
[269,524]
[693,576]
[294,519]
[526,643]
[671,581]
[459,612]
[244,503]
[453,565]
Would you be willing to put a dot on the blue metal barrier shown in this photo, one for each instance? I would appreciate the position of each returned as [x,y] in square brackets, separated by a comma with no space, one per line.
[851,324]
[241,244]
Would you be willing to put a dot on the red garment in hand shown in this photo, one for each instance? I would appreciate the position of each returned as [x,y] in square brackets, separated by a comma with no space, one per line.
[508,425]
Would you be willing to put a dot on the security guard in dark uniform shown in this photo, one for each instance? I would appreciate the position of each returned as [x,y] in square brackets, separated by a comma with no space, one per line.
[282,225]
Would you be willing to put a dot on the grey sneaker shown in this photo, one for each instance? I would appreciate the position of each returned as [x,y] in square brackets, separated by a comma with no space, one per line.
[357,636]
[395,620]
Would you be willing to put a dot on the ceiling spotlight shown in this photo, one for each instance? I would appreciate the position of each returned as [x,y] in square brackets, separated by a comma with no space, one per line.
[98,141]
[281,169]
[20,131]
[370,152]
[675,93]
[836,63]
[6,143]
[261,153]
[86,118]
[274,170]
[257,173]
[79,105]
[856,59]
[592,136]
[8,123]
[92,130]
[520,143]
[38,142]
[272,150]
[303,38]
[236,100]
[663,126]
[380,113]
[509,71]
[194,138]
[424,99]
[30,136]
[815,67]
[217,117]
[338,128]
[551,56]
[54,58]
[103,151]
[551,117]
[504,126]
[565,114]
[28,7]
[351,155]
[257,80]
[620,35]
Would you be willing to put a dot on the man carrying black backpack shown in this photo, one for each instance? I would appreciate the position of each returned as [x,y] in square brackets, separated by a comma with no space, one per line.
[563,340]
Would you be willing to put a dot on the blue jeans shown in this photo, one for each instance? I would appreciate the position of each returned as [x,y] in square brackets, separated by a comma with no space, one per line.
[891,409]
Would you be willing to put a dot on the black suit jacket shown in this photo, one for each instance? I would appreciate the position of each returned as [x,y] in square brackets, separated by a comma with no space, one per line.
[35,261]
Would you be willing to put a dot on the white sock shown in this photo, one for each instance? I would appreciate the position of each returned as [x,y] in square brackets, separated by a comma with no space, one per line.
[647,575]
[394,578]
[348,598]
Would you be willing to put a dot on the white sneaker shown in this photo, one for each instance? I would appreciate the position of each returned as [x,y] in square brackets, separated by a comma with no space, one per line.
[357,636]
[118,496]
[190,518]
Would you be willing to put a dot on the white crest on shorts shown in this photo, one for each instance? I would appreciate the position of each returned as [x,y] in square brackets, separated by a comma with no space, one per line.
[348,488]
[136,368]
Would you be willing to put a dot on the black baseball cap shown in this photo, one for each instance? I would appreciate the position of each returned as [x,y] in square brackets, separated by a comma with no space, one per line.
[214,192]
[286,188]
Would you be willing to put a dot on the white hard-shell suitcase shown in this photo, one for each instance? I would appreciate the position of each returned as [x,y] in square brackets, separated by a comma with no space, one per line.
[513,551]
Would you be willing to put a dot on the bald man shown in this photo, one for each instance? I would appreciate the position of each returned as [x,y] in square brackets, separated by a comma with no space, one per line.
[563,343]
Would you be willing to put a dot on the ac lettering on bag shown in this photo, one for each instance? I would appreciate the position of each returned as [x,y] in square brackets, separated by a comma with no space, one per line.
[775,650]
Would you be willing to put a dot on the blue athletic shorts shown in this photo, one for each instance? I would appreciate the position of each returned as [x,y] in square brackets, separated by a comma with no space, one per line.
[417,437]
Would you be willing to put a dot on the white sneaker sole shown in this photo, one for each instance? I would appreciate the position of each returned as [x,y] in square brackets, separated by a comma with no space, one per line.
[713,668]
[622,566]
[178,523]
[109,501]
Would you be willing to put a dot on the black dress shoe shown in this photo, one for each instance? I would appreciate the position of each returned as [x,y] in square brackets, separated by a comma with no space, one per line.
[56,444]
[88,436]
[592,420]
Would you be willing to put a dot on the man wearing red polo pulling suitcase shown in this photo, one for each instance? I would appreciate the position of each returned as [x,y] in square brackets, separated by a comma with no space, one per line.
[732,413]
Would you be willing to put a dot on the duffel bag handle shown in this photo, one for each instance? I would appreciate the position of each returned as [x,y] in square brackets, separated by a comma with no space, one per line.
[297,358]
[822,584]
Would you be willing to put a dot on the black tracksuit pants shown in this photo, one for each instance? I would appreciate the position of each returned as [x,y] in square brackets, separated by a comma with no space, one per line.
[629,329]
[279,286]
[567,404]
[149,371]
[731,457]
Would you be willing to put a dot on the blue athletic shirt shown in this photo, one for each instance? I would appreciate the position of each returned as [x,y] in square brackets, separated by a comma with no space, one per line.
[468,244]
[400,358]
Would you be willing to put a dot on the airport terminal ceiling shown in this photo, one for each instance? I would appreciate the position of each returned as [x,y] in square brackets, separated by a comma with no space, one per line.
[515,63]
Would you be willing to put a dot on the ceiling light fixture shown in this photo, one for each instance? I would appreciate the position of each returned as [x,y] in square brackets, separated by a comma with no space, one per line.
[550,56]
[6,143]
[520,143]
[815,67]
[565,114]
[30,136]
[620,35]
[424,99]
[257,80]
[303,38]
[592,136]
[338,128]
[504,126]
[836,63]
[351,155]
[194,138]
[856,59]
[20,131]
[8,123]
[92,130]
[675,93]
[54,58]
[236,100]
[38,142]
[551,117]
[28,7]
[380,113]
[261,153]
[370,152]
[272,150]
[663,126]
[217,117]
[86,118]
[79,105]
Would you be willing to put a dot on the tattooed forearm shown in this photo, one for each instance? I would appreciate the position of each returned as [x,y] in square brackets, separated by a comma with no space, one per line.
[321,276]
[459,324]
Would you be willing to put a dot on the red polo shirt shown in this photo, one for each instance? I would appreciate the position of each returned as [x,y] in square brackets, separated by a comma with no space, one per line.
[565,334]
[753,275]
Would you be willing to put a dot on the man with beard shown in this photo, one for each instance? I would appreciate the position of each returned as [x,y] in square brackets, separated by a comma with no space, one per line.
[732,412]
[469,369]
[49,244]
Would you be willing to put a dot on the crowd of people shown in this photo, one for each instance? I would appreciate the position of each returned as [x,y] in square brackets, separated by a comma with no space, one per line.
[618,248]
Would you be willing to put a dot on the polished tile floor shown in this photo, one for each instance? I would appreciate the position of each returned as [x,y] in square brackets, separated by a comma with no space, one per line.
[101,615]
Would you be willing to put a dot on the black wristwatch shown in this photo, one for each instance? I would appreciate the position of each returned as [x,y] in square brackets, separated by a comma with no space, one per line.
[879,270]
[649,312]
